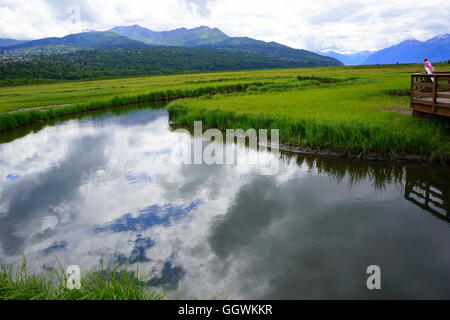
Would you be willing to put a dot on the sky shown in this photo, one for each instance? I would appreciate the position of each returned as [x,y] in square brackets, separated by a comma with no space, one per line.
[344,26]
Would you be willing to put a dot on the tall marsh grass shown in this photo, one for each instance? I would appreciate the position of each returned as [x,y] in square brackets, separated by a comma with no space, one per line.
[19,283]
[13,120]
[356,127]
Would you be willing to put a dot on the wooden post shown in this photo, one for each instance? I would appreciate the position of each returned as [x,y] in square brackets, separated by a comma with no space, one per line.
[418,114]
[435,87]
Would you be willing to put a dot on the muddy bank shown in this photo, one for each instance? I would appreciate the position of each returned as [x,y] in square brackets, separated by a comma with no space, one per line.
[406,158]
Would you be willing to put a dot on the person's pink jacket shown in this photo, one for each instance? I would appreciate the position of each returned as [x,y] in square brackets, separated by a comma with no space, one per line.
[429,67]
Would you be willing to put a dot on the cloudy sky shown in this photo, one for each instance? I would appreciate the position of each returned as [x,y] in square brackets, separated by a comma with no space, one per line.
[340,25]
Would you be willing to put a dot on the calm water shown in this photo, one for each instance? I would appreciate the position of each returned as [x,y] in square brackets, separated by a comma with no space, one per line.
[104,188]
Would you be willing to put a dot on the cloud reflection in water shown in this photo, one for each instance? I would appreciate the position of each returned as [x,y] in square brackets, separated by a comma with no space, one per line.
[104,189]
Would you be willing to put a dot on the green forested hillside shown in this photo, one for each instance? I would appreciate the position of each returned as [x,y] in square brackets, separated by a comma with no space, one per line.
[273,49]
[178,37]
[72,43]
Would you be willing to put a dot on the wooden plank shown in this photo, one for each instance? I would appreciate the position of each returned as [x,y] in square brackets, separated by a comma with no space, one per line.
[436,204]
[444,104]
[417,93]
[443,78]
[443,86]
[421,101]
[419,194]
[445,95]
[435,194]
[441,111]
[424,84]
[420,108]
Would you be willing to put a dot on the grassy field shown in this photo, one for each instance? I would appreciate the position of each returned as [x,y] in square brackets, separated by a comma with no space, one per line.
[357,110]
[68,92]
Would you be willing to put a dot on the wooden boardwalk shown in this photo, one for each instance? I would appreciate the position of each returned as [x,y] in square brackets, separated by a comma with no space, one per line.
[430,94]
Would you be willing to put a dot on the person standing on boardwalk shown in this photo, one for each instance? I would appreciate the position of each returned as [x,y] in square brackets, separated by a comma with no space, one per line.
[429,68]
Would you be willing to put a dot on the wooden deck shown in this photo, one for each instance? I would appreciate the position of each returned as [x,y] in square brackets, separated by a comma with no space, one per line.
[430,94]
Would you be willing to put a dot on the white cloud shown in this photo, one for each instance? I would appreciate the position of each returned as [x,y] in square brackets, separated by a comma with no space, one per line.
[310,24]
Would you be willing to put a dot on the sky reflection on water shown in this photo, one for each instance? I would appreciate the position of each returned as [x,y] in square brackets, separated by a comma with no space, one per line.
[105,189]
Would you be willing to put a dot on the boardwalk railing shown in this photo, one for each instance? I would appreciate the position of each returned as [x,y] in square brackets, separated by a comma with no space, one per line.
[430,94]
[429,190]
[429,198]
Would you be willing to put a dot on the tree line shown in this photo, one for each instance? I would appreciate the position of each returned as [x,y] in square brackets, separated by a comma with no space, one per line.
[94,64]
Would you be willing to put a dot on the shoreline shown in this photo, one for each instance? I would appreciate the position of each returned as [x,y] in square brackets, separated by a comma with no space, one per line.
[290,148]
[297,142]
[371,157]
[17,119]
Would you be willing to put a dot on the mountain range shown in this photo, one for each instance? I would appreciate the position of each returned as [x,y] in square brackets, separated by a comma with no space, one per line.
[10,42]
[436,49]
[179,37]
[352,59]
[213,38]
[72,43]
[137,51]
[203,37]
